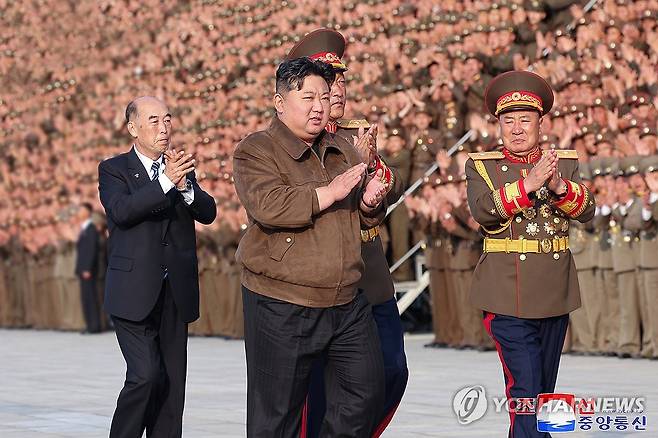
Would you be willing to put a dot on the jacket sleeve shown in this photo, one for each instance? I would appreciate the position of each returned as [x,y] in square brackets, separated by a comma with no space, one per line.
[203,209]
[578,203]
[492,208]
[265,195]
[124,208]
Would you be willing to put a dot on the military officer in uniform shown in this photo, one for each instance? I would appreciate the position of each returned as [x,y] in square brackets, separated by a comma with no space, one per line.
[585,321]
[525,282]
[606,282]
[624,227]
[328,46]
[649,247]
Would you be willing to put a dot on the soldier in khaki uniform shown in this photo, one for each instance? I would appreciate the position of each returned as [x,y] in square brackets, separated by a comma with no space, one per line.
[447,330]
[626,219]
[425,143]
[584,322]
[467,247]
[649,248]
[606,280]
[328,46]
[398,157]
[632,227]
[525,282]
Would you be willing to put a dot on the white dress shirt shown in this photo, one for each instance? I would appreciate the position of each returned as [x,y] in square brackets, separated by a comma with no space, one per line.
[85,224]
[165,182]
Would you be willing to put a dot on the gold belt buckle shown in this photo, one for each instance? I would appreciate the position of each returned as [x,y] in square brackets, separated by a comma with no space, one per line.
[546,245]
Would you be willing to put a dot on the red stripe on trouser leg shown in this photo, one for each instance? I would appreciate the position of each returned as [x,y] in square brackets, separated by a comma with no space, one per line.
[508,375]
[385,422]
[302,430]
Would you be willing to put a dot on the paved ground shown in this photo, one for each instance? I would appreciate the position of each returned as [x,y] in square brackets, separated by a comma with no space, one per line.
[65,385]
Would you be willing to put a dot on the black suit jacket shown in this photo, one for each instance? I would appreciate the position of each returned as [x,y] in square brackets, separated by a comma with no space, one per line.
[87,251]
[150,232]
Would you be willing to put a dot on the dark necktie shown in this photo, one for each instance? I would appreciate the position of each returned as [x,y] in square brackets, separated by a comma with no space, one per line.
[155,170]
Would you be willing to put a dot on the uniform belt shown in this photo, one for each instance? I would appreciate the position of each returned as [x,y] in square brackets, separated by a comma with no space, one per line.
[526,245]
[368,235]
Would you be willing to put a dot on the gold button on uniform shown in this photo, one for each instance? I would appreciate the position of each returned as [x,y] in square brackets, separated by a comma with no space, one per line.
[556,256]
[518,219]
[504,168]
[522,257]
[288,239]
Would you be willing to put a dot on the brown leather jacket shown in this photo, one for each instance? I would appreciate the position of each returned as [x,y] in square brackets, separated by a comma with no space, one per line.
[291,251]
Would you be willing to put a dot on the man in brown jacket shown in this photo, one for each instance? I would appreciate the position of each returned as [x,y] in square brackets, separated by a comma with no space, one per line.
[306,199]
[525,282]
[328,46]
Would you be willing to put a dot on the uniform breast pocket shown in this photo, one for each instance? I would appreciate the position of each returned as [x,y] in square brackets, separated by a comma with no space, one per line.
[278,245]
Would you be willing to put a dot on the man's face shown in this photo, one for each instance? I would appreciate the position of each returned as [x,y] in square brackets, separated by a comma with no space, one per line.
[305,111]
[151,126]
[650,142]
[83,214]
[338,97]
[637,184]
[423,121]
[600,116]
[520,130]
[472,67]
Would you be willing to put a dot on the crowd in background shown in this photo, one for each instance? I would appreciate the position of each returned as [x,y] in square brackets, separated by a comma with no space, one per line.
[419,69]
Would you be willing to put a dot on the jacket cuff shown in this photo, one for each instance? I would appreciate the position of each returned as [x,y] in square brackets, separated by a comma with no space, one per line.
[512,199]
[574,202]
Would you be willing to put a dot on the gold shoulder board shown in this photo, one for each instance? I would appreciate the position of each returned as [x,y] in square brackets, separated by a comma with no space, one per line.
[353,123]
[492,155]
[568,154]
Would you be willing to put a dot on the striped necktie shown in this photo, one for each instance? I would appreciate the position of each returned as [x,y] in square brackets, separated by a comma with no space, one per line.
[155,170]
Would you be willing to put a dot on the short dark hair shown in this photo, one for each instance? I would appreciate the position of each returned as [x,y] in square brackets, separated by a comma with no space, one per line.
[87,206]
[291,74]
[131,111]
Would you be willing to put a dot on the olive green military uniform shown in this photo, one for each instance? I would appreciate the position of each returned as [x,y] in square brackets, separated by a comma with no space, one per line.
[585,322]
[648,261]
[467,247]
[376,280]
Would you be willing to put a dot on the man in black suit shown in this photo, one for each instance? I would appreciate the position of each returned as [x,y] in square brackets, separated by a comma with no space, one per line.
[152,200]
[86,268]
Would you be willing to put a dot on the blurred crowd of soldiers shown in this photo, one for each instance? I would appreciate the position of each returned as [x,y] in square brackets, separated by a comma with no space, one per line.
[418,69]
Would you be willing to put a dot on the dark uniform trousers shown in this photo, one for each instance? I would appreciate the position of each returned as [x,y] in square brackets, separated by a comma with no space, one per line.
[529,350]
[282,343]
[155,350]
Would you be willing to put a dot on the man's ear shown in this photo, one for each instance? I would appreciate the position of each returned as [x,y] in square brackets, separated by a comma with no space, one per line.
[278,103]
[132,129]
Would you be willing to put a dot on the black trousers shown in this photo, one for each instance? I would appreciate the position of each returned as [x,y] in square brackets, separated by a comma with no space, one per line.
[90,307]
[155,350]
[283,340]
